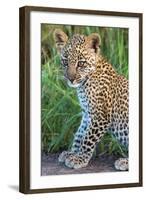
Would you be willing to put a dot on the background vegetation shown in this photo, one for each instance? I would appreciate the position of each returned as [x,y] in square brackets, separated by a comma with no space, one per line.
[60,110]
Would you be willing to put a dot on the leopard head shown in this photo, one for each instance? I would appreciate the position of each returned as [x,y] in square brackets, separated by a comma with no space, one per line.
[78,55]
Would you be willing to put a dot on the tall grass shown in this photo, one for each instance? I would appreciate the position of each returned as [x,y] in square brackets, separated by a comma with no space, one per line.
[60,109]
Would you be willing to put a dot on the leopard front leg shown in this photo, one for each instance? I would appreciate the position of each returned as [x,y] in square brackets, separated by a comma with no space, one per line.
[77,138]
[93,134]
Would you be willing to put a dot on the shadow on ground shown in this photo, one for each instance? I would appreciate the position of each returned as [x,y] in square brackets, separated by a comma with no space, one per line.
[14,187]
[51,166]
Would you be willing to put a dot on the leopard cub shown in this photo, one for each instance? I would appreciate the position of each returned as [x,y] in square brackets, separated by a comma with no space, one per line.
[102,93]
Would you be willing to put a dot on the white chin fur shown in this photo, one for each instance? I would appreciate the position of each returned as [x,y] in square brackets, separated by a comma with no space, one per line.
[73,85]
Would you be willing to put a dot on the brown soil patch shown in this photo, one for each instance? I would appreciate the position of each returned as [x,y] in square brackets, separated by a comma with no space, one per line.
[51,166]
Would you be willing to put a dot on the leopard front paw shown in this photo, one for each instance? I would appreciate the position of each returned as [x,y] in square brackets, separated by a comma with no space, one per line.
[75,161]
[122,164]
[62,157]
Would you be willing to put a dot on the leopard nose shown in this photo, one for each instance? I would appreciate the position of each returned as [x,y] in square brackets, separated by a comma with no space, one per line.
[71,75]
[71,80]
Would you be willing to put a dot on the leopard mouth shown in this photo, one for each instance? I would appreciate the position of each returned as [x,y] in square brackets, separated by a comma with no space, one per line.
[74,83]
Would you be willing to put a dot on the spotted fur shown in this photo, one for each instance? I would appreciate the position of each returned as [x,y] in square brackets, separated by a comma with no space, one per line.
[102,93]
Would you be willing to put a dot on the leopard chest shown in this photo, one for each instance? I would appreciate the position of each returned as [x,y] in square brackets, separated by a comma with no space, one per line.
[83,99]
[87,96]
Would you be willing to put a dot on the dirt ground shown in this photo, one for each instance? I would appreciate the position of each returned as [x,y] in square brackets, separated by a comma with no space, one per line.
[51,166]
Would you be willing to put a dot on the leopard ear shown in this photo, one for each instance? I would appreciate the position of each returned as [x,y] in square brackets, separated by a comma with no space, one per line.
[93,42]
[60,39]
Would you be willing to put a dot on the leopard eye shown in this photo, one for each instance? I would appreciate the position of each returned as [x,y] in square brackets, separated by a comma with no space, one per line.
[81,63]
[64,62]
